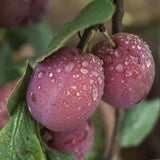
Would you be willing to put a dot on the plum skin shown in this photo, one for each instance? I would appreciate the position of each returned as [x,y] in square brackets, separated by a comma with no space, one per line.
[65,89]
[77,141]
[129,70]
[11,13]
[5,92]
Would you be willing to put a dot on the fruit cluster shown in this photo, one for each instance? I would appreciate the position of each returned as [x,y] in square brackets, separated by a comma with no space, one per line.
[22,12]
[66,87]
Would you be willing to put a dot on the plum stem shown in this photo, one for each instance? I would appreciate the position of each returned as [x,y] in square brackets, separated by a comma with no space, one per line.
[85,39]
[103,30]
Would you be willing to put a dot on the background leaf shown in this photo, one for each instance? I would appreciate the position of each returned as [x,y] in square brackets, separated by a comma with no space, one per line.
[55,155]
[38,36]
[8,70]
[18,138]
[138,122]
[95,12]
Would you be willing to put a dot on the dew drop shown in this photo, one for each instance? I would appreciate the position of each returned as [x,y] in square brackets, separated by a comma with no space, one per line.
[84,71]
[122,81]
[91,81]
[129,37]
[148,63]
[29,108]
[126,63]
[37,69]
[93,59]
[101,69]
[85,63]
[79,108]
[128,73]
[130,89]
[94,93]
[40,74]
[76,76]
[133,47]
[143,66]
[84,87]
[119,68]
[68,93]
[73,87]
[58,70]
[69,67]
[100,80]
[39,87]
[117,54]
[33,97]
[50,74]
[59,85]
[94,73]
[139,47]
[77,94]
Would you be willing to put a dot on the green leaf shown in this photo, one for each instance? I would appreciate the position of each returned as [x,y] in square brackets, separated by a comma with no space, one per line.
[18,138]
[55,155]
[138,122]
[37,35]
[95,12]
[20,91]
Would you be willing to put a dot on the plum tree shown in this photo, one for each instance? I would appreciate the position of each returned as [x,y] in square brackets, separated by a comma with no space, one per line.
[5,92]
[12,12]
[65,89]
[36,10]
[129,69]
[77,141]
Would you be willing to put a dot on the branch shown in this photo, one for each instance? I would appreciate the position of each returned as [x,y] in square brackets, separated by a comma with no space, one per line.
[116,27]
[115,150]
[117,17]
[86,37]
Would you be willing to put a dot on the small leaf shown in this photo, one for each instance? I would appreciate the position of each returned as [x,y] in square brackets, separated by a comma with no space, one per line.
[95,12]
[18,138]
[19,91]
[55,155]
[138,122]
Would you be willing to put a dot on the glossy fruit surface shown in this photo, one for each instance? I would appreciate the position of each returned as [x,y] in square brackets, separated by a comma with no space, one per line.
[65,89]
[77,141]
[5,92]
[129,69]
[12,12]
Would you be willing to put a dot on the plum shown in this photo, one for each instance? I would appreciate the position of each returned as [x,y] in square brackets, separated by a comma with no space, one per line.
[12,12]
[5,92]
[65,89]
[77,141]
[129,69]
[37,9]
